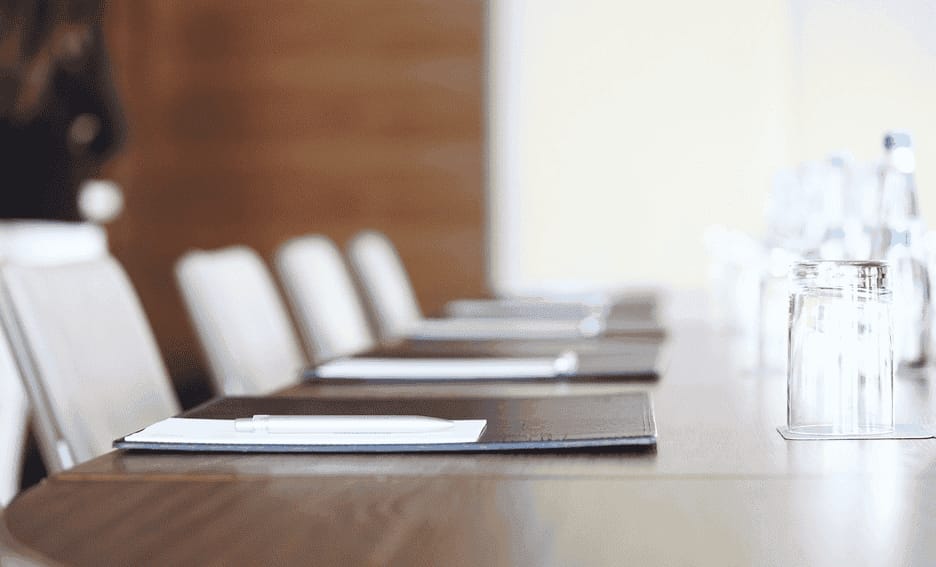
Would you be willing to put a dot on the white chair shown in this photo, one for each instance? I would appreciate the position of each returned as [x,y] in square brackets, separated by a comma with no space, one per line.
[50,242]
[87,356]
[35,243]
[332,319]
[242,324]
[14,418]
[385,284]
[397,314]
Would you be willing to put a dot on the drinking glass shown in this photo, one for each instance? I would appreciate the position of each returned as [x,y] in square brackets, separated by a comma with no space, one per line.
[840,374]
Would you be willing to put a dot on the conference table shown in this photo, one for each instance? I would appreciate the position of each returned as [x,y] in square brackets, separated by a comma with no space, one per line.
[721,488]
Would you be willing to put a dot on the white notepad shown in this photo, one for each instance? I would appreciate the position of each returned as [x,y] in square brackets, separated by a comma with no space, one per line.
[448,368]
[482,329]
[178,430]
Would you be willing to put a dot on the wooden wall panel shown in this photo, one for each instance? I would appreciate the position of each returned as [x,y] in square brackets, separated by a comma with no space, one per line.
[251,122]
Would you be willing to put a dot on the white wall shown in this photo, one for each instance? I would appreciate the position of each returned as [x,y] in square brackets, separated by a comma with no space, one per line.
[620,130]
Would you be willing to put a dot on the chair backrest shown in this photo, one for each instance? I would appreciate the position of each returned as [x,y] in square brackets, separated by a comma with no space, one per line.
[242,324]
[385,283]
[33,242]
[14,420]
[331,317]
[87,356]
[50,242]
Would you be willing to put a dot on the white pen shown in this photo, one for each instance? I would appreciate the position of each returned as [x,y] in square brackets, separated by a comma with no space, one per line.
[340,424]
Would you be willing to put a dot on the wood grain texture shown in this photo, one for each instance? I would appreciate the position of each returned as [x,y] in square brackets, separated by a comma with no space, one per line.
[252,122]
[15,554]
[723,488]
[277,523]
[469,520]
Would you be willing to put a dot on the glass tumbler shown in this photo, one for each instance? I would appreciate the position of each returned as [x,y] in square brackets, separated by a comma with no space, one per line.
[840,372]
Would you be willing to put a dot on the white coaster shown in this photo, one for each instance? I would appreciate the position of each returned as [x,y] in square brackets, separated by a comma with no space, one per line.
[901,431]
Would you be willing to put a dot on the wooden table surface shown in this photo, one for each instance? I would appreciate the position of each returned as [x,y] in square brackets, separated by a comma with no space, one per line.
[723,488]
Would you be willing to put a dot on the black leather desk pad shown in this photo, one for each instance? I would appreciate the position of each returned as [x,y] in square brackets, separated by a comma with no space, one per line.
[610,422]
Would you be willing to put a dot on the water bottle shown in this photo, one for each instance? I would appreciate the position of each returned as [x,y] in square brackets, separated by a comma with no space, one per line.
[899,241]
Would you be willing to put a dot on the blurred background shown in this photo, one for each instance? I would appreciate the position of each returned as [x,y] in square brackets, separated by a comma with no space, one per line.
[253,122]
[620,130]
[503,146]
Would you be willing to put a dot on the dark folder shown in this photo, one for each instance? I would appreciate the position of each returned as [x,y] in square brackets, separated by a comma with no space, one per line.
[598,359]
[558,423]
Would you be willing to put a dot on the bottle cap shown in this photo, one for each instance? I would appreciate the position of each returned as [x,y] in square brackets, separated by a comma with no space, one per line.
[897,139]
[899,147]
